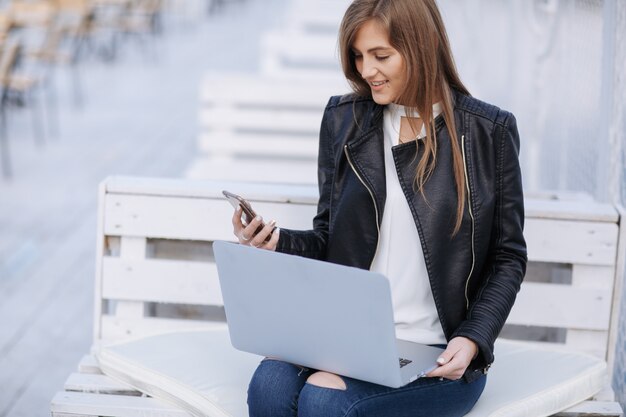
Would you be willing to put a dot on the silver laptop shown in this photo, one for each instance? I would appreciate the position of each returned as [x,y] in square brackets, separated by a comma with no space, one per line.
[316,314]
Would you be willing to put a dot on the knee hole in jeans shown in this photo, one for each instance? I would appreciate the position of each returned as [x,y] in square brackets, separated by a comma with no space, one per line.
[327,380]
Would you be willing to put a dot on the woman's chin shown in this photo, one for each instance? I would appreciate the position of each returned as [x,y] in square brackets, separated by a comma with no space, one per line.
[383,100]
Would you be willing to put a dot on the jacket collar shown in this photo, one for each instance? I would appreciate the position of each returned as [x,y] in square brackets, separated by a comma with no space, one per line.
[366,149]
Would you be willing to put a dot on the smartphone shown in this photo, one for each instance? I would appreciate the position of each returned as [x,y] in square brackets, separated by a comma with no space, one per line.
[248,213]
[237,201]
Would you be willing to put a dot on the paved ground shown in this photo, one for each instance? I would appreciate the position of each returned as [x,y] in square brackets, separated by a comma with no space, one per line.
[139,118]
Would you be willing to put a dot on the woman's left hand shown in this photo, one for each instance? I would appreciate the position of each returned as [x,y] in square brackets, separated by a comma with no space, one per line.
[455,359]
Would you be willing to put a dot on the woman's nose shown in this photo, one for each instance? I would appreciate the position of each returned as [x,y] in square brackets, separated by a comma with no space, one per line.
[368,70]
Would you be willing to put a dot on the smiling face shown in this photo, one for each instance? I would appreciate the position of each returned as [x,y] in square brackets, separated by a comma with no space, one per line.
[380,65]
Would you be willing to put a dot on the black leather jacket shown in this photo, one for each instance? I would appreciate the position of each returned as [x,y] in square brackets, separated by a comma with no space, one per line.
[475,275]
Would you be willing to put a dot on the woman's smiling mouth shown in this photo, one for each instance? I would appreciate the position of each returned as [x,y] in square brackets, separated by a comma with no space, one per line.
[377,86]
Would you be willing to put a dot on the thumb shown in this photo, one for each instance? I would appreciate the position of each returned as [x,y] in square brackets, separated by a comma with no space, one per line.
[445,357]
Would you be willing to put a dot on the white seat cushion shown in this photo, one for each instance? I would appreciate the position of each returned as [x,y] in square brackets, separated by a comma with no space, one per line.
[529,381]
[197,370]
[200,372]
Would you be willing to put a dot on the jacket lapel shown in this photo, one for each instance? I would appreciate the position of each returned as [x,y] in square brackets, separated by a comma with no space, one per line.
[367,155]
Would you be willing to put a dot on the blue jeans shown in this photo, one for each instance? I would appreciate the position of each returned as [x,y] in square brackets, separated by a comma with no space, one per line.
[279,389]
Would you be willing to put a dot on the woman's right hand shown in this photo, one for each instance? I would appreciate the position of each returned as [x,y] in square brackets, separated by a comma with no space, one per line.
[247,234]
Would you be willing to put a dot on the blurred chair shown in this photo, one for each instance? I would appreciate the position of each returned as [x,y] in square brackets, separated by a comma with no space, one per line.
[144,17]
[34,24]
[64,41]
[20,88]
[8,59]
[5,25]
[24,13]
[141,21]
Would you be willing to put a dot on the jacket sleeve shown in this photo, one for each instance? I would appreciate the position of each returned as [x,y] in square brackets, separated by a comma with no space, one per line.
[506,263]
[312,243]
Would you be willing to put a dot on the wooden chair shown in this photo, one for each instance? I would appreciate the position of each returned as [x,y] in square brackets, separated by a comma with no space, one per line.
[8,58]
[25,87]
[37,13]
[118,20]
[144,17]
[155,272]
[36,20]
[62,44]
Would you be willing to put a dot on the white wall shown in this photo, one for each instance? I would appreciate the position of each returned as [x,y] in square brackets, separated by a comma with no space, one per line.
[547,62]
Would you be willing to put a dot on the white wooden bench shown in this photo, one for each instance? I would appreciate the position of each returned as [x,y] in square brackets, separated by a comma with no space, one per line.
[318,17]
[259,127]
[306,46]
[155,272]
[291,53]
[256,115]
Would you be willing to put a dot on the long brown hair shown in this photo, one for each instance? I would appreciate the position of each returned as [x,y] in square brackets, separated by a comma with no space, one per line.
[417,32]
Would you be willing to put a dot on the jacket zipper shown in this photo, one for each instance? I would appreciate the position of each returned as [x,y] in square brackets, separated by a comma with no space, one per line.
[345,148]
[469,205]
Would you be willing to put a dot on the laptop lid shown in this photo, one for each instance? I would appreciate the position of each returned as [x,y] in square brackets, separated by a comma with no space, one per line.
[312,313]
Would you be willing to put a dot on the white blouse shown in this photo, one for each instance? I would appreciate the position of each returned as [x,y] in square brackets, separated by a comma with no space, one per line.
[399,255]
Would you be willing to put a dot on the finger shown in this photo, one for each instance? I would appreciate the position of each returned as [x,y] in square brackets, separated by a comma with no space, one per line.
[259,238]
[273,242]
[237,218]
[452,370]
[440,371]
[238,225]
[248,231]
[446,356]
[442,360]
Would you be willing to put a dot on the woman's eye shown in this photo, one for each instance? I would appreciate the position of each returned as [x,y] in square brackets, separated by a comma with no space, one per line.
[382,58]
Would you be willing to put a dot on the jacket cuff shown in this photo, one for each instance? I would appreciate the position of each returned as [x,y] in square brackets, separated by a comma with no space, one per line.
[485,356]
[284,241]
[300,242]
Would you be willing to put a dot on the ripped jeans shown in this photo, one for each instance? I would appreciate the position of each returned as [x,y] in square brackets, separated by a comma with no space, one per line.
[279,389]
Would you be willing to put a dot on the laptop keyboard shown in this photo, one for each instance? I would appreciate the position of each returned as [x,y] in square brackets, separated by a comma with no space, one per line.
[404,362]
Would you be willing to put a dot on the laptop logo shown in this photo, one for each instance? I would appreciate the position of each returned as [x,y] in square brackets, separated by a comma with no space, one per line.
[404,362]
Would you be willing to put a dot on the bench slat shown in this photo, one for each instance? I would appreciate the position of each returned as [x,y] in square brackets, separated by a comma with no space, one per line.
[167,187]
[178,218]
[574,242]
[570,210]
[535,208]
[259,171]
[98,384]
[577,308]
[158,280]
[301,50]
[261,120]
[250,144]
[112,405]
[224,89]
[118,328]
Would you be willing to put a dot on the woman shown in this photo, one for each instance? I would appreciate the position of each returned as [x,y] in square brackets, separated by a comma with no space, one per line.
[418,181]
